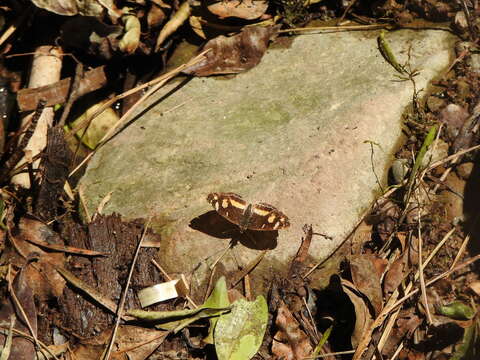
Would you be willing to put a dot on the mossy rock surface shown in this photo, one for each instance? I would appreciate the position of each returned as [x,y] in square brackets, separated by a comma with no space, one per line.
[295,132]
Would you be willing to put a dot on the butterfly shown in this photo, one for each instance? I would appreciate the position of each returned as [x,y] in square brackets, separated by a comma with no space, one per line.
[259,217]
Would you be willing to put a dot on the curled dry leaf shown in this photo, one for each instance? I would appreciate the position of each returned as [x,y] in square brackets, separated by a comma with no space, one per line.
[174,23]
[290,342]
[131,39]
[243,9]
[363,319]
[366,271]
[231,55]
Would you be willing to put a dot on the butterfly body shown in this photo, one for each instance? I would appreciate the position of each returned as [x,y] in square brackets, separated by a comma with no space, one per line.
[259,217]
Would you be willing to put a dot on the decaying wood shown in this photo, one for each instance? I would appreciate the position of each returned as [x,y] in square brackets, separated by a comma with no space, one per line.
[108,234]
[55,165]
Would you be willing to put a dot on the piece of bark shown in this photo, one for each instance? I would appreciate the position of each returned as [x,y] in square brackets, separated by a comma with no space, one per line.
[119,239]
[57,93]
[55,165]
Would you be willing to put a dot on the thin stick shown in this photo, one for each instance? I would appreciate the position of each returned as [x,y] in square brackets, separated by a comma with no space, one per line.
[12,28]
[337,28]
[394,297]
[452,157]
[346,11]
[124,295]
[420,272]
[330,354]
[461,251]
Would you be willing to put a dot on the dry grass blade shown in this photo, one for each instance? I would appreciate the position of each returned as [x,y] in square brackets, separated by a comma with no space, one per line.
[460,251]
[43,346]
[420,272]
[363,344]
[392,319]
[8,342]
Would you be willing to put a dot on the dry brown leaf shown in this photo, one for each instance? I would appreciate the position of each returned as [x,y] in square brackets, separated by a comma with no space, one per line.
[57,93]
[174,23]
[363,318]
[366,278]
[243,9]
[42,277]
[395,274]
[290,342]
[155,17]
[132,342]
[231,55]
[197,26]
[22,349]
[37,233]
[475,286]
[362,235]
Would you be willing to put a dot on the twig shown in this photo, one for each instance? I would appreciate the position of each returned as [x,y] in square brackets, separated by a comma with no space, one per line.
[346,11]
[471,27]
[420,272]
[337,28]
[73,94]
[12,28]
[461,251]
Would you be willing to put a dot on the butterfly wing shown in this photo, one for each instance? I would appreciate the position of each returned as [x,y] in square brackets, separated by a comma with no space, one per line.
[229,205]
[265,217]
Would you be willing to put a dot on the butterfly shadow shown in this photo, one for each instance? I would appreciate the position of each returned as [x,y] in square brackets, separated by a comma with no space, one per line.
[212,224]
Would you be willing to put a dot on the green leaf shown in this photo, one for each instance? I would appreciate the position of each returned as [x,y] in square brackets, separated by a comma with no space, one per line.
[419,160]
[456,310]
[387,52]
[239,334]
[468,349]
[216,305]
[217,299]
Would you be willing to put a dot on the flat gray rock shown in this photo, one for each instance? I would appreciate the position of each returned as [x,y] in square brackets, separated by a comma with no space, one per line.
[294,132]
